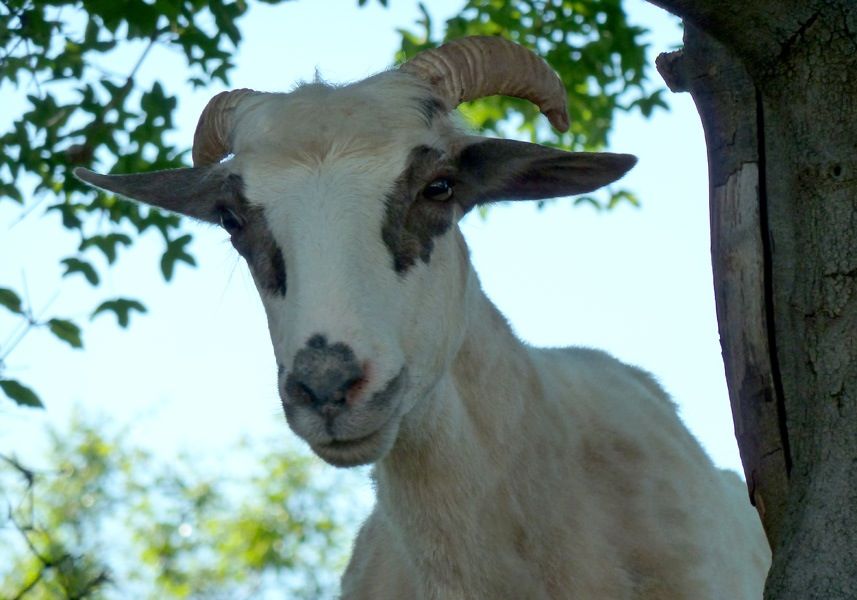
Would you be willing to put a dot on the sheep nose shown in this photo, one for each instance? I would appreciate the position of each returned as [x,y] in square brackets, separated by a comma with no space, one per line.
[324,377]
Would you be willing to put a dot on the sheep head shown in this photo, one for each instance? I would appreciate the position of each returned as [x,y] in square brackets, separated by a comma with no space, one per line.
[344,201]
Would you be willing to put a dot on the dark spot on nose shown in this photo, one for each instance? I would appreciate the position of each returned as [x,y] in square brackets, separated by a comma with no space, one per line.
[318,341]
[322,375]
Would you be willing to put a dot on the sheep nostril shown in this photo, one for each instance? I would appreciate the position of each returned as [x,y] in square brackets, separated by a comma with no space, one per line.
[305,394]
[327,378]
[354,388]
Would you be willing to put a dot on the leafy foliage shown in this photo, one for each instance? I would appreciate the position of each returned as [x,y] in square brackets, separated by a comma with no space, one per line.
[10,300]
[104,519]
[598,54]
[79,113]
[62,329]
[175,253]
[20,394]
[122,308]
[75,265]
[66,331]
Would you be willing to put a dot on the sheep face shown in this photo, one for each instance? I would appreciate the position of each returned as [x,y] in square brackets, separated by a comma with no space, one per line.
[356,263]
[344,203]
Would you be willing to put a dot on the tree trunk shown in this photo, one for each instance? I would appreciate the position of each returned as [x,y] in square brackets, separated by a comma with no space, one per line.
[775,83]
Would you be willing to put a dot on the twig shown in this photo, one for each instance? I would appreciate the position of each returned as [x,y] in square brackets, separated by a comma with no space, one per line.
[152,41]
[130,79]
[16,338]
[21,9]
[9,17]
[26,473]
[126,87]
[104,71]
[29,476]
[26,589]
[26,212]
[26,288]
[9,52]
[33,322]
[48,563]
[35,78]
[102,578]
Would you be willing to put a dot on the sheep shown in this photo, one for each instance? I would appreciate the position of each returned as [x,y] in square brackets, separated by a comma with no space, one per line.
[502,471]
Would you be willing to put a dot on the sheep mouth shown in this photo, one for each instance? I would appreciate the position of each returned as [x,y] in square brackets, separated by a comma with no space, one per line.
[359,451]
[368,448]
[353,443]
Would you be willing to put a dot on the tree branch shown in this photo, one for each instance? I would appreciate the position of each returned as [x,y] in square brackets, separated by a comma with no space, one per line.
[772,23]
[30,585]
[28,474]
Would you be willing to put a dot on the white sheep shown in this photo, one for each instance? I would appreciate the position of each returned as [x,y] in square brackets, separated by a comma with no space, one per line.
[502,471]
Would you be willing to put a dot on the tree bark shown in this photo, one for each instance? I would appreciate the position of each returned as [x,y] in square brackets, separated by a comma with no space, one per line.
[775,82]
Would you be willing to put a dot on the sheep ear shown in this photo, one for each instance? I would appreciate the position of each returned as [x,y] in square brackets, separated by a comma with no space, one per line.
[493,169]
[193,191]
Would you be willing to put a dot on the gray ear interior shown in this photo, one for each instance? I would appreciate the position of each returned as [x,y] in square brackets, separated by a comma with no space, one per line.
[192,191]
[493,169]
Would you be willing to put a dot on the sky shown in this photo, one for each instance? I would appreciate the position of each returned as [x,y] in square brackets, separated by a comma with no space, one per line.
[197,372]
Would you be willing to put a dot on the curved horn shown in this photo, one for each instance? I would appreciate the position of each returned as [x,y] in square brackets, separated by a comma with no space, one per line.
[479,66]
[213,137]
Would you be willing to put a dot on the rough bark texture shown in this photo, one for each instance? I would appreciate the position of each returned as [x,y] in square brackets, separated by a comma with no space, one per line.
[726,99]
[775,82]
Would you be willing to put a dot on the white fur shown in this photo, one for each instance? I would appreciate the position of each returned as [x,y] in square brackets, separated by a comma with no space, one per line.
[503,471]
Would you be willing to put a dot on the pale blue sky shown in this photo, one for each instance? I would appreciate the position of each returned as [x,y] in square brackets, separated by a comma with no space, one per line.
[197,371]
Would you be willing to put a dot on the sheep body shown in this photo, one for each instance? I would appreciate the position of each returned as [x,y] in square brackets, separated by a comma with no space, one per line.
[502,471]
[553,474]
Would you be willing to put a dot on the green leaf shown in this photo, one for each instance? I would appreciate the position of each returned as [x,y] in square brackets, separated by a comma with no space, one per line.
[107,244]
[10,300]
[75,265]
[174,253]
[66,331]
[20,394]
[121,307]
[623,195]
[588,200]
[10,190]
[68,211]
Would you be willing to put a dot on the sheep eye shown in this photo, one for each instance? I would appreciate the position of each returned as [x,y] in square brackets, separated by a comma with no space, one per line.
[439,189]
[231,222]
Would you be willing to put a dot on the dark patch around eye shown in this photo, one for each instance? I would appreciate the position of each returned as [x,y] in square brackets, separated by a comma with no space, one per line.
[410,225]
[257,245]
[255,242]
[277,284]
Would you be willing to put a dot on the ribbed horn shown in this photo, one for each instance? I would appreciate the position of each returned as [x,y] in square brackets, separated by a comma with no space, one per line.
[479,66]
[213,137]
